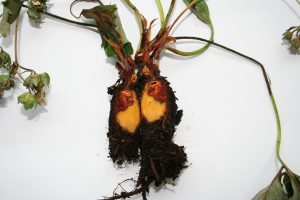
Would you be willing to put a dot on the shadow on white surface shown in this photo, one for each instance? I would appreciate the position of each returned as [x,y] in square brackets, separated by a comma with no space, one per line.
[33,113]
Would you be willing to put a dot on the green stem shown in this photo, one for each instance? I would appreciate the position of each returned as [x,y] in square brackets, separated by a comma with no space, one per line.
[161,12]
[278,141]
[166,21]
[180,15]
[198,51]
[139,19]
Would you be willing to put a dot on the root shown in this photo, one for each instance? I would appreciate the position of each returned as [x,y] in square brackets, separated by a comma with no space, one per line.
[123,195]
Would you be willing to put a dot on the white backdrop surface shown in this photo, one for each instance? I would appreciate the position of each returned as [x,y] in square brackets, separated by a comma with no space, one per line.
[59,152]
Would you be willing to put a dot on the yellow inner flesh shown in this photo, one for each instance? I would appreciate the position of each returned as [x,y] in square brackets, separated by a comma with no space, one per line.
[129,119]
[152,109]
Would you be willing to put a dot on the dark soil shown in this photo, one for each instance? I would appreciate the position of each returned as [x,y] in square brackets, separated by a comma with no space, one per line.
[123,146]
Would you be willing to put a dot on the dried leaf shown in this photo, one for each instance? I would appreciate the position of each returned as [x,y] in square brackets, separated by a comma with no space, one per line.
[107,18]
[41,98]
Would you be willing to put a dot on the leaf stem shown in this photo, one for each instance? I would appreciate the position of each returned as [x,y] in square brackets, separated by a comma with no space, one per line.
[180,15]
[171,8]
[161,12]
[166,21]
[198,51]
[27,69]
[100,2]
[278,141]
[79,23]
[16,39]
[16,63]
[68,20]
[138,16]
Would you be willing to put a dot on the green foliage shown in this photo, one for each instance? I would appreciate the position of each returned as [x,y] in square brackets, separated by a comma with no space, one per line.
[107,18]
[6,81]
[200,9]
[28,100]
[5,60]
[35,7]
[37,81]
[285,186]
[11,10]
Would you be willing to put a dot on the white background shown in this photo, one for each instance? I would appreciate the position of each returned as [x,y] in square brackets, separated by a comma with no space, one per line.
[59,152]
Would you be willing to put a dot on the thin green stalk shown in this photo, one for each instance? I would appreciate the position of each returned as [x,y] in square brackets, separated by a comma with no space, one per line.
[198,51]
[161,12]
[182,12]
[278,141]
[171,8]
[166,21]
[138,15]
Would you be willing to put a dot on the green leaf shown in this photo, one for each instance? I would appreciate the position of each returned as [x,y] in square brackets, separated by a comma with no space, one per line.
[273,192]
[287,184]
[289,189]
[3,78]
[6,82]
[11,10]
[128,48]
[35,8]
[37,81]
[45,78]
[4,27]
[34,81]
[200,9]
[295,182]
[28,100]
[33,14]
[5,60]
[107,18]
